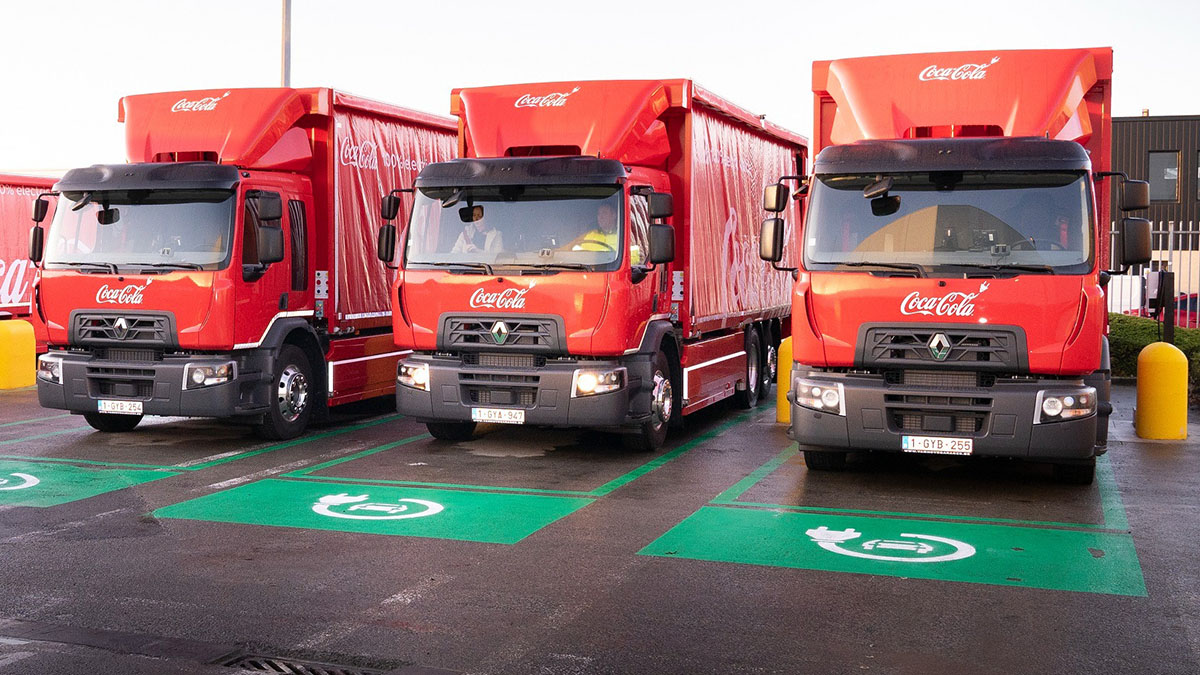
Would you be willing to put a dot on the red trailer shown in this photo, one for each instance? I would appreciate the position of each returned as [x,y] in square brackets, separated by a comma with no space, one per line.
[16,271]
[950,292]
[227,271]
[536,286]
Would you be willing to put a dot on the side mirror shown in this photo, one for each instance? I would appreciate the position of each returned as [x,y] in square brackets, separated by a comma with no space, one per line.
[775,198]
[40,207]
[770,243]
[660,205]
[1134,241]
[389,207]
[270,207]
[270,245]
[385,247]
[1135,195]
[37,242]
[662,242]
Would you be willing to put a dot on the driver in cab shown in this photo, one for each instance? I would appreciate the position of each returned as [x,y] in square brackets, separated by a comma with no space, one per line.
[604,236]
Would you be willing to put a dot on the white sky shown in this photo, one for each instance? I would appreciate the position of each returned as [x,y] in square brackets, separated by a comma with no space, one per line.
[67,62]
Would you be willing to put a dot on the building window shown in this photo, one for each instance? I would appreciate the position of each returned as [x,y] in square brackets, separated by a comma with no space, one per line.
[1164,176]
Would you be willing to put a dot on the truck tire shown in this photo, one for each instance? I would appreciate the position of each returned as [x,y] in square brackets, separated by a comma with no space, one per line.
[110,423]
[1083,473]
[451,431]
[291,401]
[817,460]
[770,364]
[652,433]
[748,397]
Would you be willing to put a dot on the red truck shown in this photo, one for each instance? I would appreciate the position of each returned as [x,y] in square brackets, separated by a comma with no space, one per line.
[538,285]
[950,283]
[228,270]
[17,194]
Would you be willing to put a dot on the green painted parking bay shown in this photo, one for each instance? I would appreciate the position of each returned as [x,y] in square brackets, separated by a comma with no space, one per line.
[500,518]
[43,484]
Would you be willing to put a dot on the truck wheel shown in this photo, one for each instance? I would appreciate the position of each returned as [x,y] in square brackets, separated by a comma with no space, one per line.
[824,461]
[290,401]
[1076,474]
[451,431]
[770,366]
[112,424]
[748,397]
[652,433]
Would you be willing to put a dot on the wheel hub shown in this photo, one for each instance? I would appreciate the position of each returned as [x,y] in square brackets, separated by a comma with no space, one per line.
[662,399]
[292,393]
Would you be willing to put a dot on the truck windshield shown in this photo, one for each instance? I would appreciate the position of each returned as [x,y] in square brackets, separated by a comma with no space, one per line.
[146,229]
[544,226]
[942,221]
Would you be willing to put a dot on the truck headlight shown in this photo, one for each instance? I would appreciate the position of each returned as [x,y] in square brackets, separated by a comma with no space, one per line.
[49,368]
[413,375]
[1056,406]
[196,375]
[589,381]
[827,397]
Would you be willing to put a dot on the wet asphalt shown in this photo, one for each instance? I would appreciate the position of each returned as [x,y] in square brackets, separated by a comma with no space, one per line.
[114,583]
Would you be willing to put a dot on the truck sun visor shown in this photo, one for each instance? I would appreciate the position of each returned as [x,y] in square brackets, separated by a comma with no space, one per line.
[186,175]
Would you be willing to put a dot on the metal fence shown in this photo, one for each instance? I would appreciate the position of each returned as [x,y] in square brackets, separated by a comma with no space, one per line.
[1176,249]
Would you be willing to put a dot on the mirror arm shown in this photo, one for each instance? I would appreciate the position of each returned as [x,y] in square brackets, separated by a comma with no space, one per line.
[1101,175]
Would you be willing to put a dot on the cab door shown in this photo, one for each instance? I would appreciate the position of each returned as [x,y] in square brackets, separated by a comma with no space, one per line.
[261,291]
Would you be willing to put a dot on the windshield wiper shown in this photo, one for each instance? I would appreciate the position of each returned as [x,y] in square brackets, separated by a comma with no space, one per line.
[111,268]
[1045,269]
[172,265]
[907,267]
[548,266]
[472,265]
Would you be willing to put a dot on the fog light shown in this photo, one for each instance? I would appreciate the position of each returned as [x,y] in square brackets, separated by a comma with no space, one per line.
[413,375]
[830,398]
[1062,405]
[49,368]
[588,382]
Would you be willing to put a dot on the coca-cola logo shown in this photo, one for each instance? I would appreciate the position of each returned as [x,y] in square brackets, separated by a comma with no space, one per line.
[14,281]
[199,105]
[956,303]
[130,294]
[359,155]
[967,71]
[510,298]
[554,100]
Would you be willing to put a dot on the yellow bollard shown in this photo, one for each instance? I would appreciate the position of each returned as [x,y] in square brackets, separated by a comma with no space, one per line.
[783,375]
[1161,412]
[18,355]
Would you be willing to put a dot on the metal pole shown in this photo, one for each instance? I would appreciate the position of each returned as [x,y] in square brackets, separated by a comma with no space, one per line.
[286,74]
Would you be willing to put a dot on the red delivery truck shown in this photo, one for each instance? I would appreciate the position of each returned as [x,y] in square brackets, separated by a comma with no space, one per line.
[539,285]
[228,270]
[950,291]
[17,194]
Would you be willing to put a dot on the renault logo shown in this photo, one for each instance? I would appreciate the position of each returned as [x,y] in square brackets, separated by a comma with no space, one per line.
[499,332]
[939,346]
[121,328]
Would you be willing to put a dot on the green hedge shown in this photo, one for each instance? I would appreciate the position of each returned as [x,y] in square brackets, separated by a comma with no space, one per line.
[1128,334]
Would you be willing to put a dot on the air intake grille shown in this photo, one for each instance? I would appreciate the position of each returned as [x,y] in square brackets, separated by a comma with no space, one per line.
[939,379]
[126,330]
[489,360]
[123,354]
[529,334]
[978,349]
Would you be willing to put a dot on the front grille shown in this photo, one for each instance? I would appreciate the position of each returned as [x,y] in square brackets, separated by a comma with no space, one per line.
[530,334]
[124,329]
[974,348]
[117,389]
[524,398]
[490,360]
[124,354]
[119,382]
[962,422]
[939,379]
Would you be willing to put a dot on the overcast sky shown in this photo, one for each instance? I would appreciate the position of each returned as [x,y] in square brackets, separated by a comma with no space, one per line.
[67,62]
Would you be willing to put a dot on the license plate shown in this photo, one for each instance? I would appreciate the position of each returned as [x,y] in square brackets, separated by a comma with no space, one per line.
[121,407]
[498,415]
[938,445]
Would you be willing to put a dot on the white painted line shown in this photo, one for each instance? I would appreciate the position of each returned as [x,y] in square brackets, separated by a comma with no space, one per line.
[410,595]
[210,458]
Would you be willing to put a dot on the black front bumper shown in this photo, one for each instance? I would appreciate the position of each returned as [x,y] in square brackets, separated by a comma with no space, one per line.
[543,392]
[158,385]
[874,413]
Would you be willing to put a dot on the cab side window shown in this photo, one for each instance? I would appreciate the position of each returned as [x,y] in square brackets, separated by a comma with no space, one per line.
[639,229]
[252,222]
[299,224]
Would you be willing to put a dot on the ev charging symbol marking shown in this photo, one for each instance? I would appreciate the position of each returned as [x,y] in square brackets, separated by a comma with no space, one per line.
[341,505]
[27,481]
[917,548]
